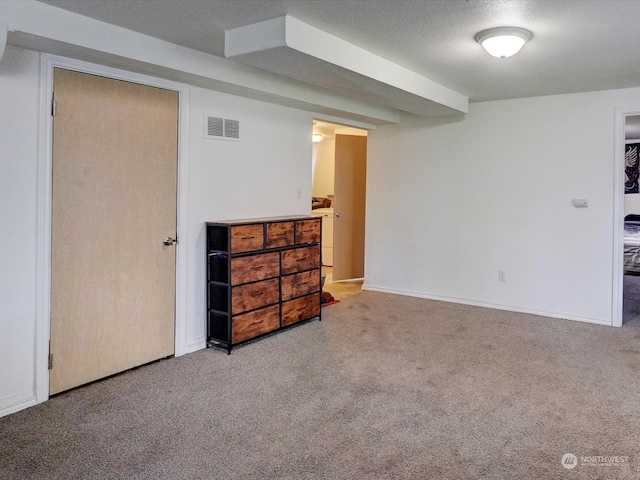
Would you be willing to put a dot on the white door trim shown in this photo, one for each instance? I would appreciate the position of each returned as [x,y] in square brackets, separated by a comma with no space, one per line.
[43,275]
[618,213]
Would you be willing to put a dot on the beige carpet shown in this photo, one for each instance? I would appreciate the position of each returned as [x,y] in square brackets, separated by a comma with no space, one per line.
[384,387]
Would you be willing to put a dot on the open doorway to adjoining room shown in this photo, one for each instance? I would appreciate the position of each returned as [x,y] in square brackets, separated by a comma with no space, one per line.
[339,197]
[631,232]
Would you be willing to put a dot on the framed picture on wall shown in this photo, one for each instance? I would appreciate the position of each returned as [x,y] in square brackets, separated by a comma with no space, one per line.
[631,171]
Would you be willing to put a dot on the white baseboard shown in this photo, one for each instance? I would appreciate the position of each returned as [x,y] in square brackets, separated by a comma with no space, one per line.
[474,303]
[199,345]
[12,404]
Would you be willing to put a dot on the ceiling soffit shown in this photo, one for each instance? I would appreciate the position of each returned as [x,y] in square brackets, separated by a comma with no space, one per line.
[289,47]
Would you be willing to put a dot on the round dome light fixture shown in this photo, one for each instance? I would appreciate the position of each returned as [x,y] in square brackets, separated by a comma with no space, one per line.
[503,42]
[316,137]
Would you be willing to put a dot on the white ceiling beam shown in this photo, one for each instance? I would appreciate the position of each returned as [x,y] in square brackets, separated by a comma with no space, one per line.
[293,48]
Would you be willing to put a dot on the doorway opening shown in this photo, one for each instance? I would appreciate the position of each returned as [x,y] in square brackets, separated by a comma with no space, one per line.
[631,231]
[339,197]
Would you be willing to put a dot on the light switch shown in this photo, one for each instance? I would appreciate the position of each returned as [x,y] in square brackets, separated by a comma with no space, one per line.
[580,202]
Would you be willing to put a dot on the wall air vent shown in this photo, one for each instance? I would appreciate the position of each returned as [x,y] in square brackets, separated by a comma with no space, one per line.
[232,129]
[219,128]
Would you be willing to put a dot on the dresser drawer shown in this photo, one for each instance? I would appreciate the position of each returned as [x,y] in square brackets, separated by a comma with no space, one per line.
[300,309]
[300,284]
[300,259]
[250,325]
[247,238]
[279,234]
[254,295]
[308,231]
[254,268]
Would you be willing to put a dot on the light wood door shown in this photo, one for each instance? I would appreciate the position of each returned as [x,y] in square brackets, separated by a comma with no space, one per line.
[114,201]
[349,206]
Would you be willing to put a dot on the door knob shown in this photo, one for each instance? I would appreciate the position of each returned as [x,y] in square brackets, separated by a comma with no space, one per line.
[168,241]
[338,215]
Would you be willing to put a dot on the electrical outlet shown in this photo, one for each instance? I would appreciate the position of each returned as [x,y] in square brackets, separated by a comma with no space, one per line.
[501,276]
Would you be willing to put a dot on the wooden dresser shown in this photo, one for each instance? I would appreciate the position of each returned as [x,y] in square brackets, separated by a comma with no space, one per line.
[263,275]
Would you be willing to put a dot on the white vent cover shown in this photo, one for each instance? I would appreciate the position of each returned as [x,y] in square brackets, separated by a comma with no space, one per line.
[219,128]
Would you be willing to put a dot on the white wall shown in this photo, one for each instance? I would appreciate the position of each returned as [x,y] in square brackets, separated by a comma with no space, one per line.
[258,176]
[451,202]
[18,197]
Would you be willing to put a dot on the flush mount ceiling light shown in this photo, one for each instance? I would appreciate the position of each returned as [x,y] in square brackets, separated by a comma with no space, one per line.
[503,42]
[316,137]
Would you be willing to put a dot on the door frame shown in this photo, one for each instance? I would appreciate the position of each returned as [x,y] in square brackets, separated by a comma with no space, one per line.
[618,213]
[368,127]
[48,63]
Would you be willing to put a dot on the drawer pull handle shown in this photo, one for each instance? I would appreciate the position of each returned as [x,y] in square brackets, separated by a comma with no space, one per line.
[302,259]
[249,237]
[281,234]
[257,294]
[258,322]
[257,267]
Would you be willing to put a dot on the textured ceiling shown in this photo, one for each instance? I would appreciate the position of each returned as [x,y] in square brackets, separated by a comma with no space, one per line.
[577,45]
